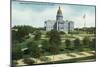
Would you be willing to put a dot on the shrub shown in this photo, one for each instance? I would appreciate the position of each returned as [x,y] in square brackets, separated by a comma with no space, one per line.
[68,43]
[77,44]
[86,42]
[37,35]
[28,61]
[44,59]
[34,50]
[61,32]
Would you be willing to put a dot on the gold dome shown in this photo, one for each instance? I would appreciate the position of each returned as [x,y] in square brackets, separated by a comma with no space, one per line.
[59,11]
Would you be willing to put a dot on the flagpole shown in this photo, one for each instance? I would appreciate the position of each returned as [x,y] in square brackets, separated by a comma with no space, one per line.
[84,18]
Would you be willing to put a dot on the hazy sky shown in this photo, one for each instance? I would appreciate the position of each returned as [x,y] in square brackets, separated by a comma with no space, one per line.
[34,14]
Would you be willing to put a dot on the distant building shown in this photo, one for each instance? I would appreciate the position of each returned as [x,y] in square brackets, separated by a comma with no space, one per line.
[59,24]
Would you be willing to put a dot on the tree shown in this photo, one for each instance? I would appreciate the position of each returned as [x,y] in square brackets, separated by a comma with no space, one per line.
[16,37]
[16,52]
[55,41]
[46,45]
[55,37]
[86,42]
[34,50]
[77,44]
[68,44]
[93,44]
[20,32]
[54,49]
[37,35]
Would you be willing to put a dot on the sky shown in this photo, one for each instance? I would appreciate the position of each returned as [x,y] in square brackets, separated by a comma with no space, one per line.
[35,14]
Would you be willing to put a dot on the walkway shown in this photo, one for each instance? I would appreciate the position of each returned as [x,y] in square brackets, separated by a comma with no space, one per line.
[61,57]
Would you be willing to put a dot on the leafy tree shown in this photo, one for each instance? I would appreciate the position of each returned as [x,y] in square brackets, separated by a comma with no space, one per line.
[20,32]
[68,43]
[41,28]
[90,30]
[54,49]
[37,35]
[54,37]
[86,42]
[14,37]
[77,44]
[34,50]
[16,52]
[55,41]
[93,44]
[46,45]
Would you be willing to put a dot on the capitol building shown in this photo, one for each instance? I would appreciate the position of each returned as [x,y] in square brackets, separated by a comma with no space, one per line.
[59,24]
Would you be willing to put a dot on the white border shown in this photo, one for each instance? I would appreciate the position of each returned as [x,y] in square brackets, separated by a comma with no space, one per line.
[5,33]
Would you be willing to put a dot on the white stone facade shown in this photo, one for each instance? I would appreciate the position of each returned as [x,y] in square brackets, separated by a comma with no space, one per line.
[59,24]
